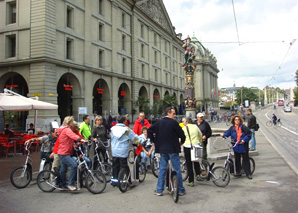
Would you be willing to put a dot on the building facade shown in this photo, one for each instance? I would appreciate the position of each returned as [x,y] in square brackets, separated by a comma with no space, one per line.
[206,77]
[98,54]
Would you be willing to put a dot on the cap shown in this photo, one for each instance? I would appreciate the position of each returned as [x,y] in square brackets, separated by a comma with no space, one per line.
[199,115]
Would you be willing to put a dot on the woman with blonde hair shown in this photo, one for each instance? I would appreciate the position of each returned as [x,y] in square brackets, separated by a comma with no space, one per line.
[99,132]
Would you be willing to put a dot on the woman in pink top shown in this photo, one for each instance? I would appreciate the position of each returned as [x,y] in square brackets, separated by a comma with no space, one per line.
[65,150]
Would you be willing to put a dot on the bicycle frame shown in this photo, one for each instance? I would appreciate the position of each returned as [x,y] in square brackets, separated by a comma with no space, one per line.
[96,156]
[81,164]
[28,161]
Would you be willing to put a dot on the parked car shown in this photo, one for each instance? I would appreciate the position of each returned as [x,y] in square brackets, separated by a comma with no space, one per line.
[288,109]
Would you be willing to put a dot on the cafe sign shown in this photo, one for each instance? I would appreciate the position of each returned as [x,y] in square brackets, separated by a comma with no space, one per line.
[122,93]
[99,91]
[68,87]
[11,85]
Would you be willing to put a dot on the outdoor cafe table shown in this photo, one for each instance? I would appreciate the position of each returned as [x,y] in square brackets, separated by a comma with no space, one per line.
[14,140]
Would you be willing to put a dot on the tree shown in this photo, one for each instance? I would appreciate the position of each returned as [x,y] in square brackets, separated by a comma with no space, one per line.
[296,96]
[143,104]
[169,100]
[247,94]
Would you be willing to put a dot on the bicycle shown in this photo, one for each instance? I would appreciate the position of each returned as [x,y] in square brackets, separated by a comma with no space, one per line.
[95,181]
[229,162]
[204,165]
[124,177]
[218,175]
[173,182]
[104,167]
[155,166]
[131,156]
[21,177]
[270,123]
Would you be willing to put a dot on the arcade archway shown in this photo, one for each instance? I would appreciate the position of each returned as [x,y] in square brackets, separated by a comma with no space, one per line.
[167,93]
[16,83]
[124,99]
[143,93]
[101,97]
[68,87]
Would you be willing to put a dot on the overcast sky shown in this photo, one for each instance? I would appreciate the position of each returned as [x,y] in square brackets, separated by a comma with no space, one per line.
[265,28]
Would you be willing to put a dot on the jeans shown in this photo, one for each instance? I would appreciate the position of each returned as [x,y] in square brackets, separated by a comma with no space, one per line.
[88,161]
[252,142]
[67,161]
[163,168]
[145,158]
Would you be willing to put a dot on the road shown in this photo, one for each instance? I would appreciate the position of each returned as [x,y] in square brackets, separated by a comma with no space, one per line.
[274,188]
[285,138]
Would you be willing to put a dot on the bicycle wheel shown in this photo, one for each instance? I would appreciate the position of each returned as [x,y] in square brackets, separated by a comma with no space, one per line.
[220,177]
[142,172]
[184,171]
[205,166]
[175,188]
[47,180]
[83,176]
[155,166]
[20,178]
[279,123]
[107,170]
[252,165]
[269,123]
[48,166]
[123,179]
[95,182]
[131,157]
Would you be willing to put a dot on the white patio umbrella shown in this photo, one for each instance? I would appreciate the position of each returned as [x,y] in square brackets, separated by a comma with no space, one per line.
[14,102]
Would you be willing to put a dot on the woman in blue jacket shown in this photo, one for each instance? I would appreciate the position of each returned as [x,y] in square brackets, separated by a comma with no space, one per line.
[240,136]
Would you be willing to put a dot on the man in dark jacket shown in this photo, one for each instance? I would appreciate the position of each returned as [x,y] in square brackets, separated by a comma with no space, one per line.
[206,132]
[167,134]
[251,124]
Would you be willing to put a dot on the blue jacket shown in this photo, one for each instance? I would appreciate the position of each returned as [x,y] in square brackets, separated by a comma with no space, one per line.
[121,136]
[246,135]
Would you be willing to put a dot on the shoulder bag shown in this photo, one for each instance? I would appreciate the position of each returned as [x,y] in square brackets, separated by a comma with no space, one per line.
[196,151]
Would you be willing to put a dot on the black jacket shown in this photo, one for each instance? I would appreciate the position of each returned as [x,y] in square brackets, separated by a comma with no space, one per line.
[167,133]
[205,129]
[251,121]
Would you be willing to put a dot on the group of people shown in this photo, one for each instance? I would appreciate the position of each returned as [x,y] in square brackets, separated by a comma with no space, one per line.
[165,137]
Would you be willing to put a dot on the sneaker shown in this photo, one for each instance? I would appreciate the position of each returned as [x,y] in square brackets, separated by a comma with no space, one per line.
[157,193]
[71,188]
[249,177]
[191,184]
[182,193]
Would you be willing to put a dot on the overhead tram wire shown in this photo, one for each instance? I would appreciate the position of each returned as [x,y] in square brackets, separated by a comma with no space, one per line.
[236,23]
[279,66]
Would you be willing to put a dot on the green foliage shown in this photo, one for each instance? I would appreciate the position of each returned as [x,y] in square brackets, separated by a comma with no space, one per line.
[228,104]
[143,104]
[169,100]
[296,96]
[247,94]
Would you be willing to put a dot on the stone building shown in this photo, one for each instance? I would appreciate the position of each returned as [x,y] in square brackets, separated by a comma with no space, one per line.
[206,76]
[98,54]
